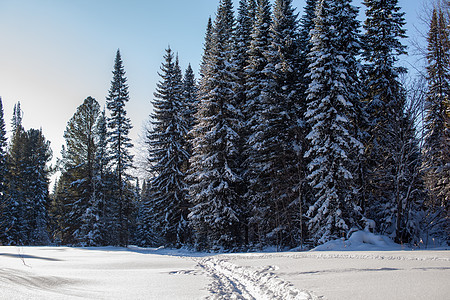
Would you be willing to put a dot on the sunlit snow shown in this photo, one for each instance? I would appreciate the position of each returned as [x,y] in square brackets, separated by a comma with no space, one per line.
[373,267]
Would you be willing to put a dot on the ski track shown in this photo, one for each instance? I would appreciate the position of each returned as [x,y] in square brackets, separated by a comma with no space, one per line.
[235,282]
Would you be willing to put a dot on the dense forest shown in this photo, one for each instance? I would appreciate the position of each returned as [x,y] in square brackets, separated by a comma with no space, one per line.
[298,130]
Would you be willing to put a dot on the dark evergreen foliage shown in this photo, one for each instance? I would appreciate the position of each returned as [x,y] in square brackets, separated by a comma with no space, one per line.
[120,159]
[257,93]
[79,218]
[437,121]
[169,155]
[3,175]
[27,200]
[333,98]
[386,183]
[189,95]
[214,172]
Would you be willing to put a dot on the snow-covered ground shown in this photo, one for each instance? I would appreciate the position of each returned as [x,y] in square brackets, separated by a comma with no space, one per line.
[135,273]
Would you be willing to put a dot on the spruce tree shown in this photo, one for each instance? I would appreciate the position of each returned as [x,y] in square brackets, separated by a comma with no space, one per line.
[36,178]
[206,49]
[27,202]
[257,94]
[189,97]
[17,117]
[3,176]
[146,233]
[244,27]
[285,121]
[168,155]
[214,170]
[305,45]
[333,98]
[3,166]
[437,120]
[28,180]
[15,223]
[385,183]
[119,143]
[102,182]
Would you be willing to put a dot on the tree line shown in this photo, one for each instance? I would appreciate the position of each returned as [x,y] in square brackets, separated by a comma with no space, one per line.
[298,130]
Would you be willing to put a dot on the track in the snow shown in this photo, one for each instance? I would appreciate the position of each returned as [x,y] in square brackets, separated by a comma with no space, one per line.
[235,282]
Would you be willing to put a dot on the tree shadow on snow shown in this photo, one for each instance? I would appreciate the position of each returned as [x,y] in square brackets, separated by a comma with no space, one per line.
[22,256]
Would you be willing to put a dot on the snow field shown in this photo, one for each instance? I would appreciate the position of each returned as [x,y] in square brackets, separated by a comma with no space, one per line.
[137,273]
[361,275]
[103,273]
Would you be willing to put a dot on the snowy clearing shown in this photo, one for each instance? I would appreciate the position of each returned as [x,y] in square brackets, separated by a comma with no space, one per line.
[136,273]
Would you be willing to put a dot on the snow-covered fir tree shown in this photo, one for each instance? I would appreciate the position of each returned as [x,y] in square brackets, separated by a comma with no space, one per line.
[244,27]
[169,156]
[28,180]
[120,159]
[386,184]
[285,122]
[189,97]
[146,233]
[333,98]
[38,154]
[16,121]
[135,214]
[257,91]
[102,181]
[305,45]
[3,176]
[14,222]
[214,170]
[437,121]
[206,49]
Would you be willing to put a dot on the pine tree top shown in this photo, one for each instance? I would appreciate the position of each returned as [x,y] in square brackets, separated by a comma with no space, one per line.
[2,131]
[118,93]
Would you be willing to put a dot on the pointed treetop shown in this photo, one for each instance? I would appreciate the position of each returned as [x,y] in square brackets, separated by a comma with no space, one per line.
[2,130]
[224,17]
[17,117]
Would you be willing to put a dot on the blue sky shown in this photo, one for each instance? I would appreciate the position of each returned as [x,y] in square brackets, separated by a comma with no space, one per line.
[55,53]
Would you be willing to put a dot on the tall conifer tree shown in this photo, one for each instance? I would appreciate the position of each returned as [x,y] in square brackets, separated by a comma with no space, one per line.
[437,120]
[244,27]
[168,155]
[3,176]
[189,97]
[257,94]
[28,180]
[386,185]
[216,211]
[333,97]
[15,222]
[305,45]
[36,178]
[119,145]
[275,144]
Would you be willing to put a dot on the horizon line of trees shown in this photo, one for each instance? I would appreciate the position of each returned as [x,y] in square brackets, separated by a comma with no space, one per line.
[298,131]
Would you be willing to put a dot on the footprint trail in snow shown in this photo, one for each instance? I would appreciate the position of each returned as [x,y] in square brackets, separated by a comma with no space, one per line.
[235,282]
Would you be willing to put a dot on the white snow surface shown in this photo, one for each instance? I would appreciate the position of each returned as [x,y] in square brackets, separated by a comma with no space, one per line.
[362,241]
[146,273]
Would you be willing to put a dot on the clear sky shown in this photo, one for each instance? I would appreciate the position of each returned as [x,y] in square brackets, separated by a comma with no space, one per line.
[55,53]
